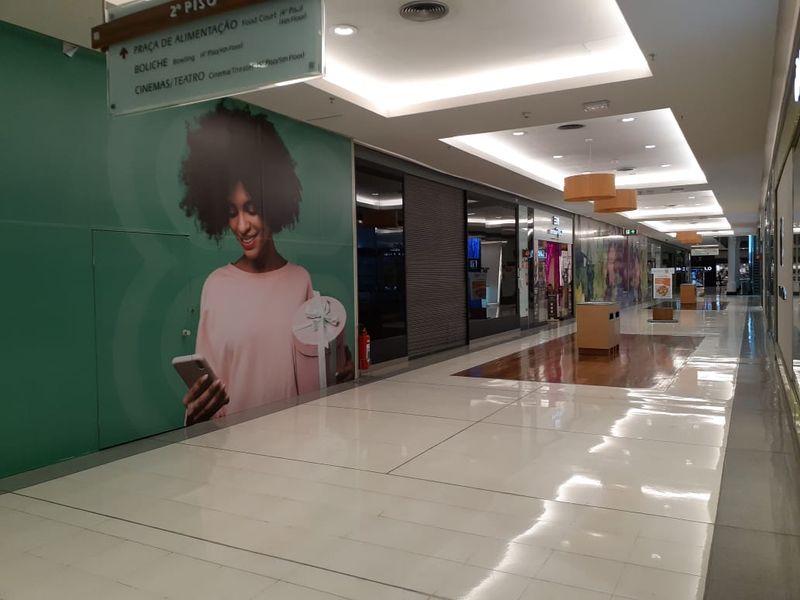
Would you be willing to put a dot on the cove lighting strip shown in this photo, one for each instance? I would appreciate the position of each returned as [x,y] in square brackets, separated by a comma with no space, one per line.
[402,97]
[491,222]
[723,233]
[605,52]
[706,210]
[522,155]
[387,203]
[675,226]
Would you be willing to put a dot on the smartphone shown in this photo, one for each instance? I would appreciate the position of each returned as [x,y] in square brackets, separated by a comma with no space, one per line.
[193,367]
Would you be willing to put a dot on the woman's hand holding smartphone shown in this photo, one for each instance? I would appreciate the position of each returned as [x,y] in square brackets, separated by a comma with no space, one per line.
[204,399]
[206,393]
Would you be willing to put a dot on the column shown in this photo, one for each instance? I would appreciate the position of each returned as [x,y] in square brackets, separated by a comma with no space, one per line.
[733,264]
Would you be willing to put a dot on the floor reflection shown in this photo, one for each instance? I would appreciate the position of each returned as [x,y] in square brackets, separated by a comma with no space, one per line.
[644,361]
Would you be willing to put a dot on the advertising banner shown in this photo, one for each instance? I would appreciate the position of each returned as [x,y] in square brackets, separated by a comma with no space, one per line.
[662,283]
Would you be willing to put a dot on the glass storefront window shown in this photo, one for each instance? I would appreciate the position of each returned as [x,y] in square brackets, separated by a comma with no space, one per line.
[381,261]
[491,265]
[795,258]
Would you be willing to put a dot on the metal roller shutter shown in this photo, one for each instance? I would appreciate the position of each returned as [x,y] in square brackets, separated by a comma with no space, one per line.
[435,266]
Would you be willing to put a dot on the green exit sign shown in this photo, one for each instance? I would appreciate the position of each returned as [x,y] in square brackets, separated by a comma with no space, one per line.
[631,231]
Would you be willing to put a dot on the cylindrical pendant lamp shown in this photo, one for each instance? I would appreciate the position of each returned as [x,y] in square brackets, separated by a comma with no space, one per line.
[689,237]
[591,186]
[625,200]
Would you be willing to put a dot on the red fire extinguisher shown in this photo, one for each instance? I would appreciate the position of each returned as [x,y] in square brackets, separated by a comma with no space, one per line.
[363,349]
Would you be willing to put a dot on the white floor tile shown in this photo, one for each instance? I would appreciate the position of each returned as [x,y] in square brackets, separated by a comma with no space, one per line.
[510,557]
[660,478]
[182,577]
[470,404]
[120,560]
[650,421]
[670,556]
[546,590]
[70,549]
[582,571]
[288,591]
[376,441]
[642,583]
[563,491]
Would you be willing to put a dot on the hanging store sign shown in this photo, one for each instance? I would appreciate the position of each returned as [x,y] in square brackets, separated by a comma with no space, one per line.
[705,251]
[548,226]
[193,50]
[662,283]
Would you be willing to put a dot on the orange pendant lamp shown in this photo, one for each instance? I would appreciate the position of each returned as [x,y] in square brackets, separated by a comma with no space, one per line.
[689,237]
[624,200]
[589,186]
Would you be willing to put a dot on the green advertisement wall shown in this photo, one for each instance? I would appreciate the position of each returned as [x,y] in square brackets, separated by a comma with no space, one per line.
[102,269]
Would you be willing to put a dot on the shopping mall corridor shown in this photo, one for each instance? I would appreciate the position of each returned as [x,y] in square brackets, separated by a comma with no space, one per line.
[434,485]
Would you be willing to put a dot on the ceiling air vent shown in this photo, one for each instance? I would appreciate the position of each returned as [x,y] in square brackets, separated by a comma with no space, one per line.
[570,126]
[421,11]
[625,169]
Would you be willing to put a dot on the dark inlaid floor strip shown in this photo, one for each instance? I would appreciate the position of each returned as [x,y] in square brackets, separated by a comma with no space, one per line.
[701,305]
[756,547]
[644,361]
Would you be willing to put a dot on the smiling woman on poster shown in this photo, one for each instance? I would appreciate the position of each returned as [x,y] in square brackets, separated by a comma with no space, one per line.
[239,176]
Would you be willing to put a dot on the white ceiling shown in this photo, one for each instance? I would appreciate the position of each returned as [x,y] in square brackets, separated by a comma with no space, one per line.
[711,64]
[698,207]
[479,52]
[658,206]
[607,144]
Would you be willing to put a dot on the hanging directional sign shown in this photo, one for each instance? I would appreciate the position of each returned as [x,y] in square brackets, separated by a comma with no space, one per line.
[186,51]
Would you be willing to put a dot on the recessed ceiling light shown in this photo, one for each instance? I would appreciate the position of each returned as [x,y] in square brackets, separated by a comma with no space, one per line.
[518,133]
[649,146]
[571,126]
[665,165]
[421,11]
[345,30]
[558,156]
[691,197]
[375,194]
[628,119]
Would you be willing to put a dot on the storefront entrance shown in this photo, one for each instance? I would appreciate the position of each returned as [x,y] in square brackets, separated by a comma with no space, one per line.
[552,281]
[550,296]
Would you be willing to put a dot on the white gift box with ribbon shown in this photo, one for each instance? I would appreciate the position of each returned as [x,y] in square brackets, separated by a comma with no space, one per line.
[318,322]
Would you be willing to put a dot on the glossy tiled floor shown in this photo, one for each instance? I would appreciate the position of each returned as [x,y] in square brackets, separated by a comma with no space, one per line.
[424,485]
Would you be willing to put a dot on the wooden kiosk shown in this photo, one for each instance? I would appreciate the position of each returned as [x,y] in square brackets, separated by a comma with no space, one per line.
[688,293]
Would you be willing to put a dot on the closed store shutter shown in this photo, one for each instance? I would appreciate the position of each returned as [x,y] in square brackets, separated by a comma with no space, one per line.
[435,266]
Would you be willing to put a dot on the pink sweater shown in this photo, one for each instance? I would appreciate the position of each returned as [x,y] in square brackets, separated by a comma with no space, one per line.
[245,333]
